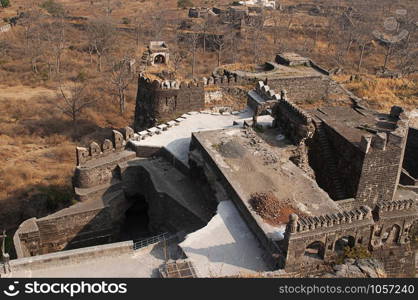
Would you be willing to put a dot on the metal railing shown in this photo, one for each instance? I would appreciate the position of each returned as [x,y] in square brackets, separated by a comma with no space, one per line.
[152,240]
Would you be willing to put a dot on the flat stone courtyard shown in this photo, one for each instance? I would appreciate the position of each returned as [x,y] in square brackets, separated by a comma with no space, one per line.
[137,264]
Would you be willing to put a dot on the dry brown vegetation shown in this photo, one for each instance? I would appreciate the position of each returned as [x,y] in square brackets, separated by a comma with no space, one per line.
[46,51]
[273,211]
[382,93]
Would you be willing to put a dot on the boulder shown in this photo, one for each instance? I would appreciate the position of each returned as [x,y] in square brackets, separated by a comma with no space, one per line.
[358,268]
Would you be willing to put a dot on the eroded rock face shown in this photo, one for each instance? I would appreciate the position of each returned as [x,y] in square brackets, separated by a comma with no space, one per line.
[359,268]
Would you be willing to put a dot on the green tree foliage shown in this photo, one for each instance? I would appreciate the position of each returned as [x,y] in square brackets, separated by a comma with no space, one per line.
[357,252]
[5,3]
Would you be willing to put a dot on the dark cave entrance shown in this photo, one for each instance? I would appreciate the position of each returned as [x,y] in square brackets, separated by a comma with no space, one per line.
[159,59]
[135,226]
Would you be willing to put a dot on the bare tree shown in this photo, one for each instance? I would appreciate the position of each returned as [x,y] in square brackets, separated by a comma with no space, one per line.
[276,23]
[219,41]
[408,61]
[158,25]
[73,99]
[29,21]
[234,41]
[138,22]
[35,50]
[363,40]
[208,25]
[121,78]
[54,34]
[177,57]
[256,30]
[192,42]
[110,5]
[101,36]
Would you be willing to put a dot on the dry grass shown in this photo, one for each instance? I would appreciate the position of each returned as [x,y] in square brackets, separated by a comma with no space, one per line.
[241,67]
[383,93]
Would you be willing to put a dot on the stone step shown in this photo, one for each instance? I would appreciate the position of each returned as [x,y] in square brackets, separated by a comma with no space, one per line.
[83,194]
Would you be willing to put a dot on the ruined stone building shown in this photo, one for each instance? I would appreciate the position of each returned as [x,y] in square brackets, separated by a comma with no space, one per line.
[338,177]
[157,53]
[303,79]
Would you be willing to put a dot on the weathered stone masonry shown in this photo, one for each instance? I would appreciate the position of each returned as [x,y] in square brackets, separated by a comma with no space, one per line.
[385,231]
[162,101]
[159,101]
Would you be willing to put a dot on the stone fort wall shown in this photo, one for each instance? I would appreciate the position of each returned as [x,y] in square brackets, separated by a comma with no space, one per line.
[384,231]
[62,232]
[105,176]
[382,165]
[309,88]
[160,101]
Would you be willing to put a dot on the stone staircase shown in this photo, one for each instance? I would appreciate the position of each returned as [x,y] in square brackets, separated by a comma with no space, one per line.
[331,164]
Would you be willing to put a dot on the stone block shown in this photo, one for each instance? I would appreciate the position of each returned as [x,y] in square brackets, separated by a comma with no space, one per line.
[162,127]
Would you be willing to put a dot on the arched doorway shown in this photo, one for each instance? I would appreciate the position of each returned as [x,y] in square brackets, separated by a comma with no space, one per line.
[315,250]
[159,59]
[342,243]
[391,235]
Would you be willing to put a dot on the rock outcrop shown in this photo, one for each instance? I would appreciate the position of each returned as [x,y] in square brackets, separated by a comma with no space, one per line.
[358,268]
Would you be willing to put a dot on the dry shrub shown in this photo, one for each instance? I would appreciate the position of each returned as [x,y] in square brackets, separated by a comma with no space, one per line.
[63,153]
[56,139]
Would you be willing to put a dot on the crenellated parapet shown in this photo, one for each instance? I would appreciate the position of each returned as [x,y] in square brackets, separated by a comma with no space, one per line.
[262,97]
[226,80]
[395,207]
[293,109]
[211,81]
[157,84]
[295,122]
[318,223]
[266,92]
[116,144]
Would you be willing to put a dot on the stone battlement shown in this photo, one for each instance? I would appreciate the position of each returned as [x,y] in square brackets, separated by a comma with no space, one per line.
[395,206]
[307,224]
[95,151]
[294,109]
[157,84]
[167,84]
[380,141]
[226,80]
[119,141]
[265,92]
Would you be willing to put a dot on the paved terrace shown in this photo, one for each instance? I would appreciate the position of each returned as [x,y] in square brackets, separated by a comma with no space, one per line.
[111,260]
[279,71]
[177,138]
[252,164]
[352,123]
